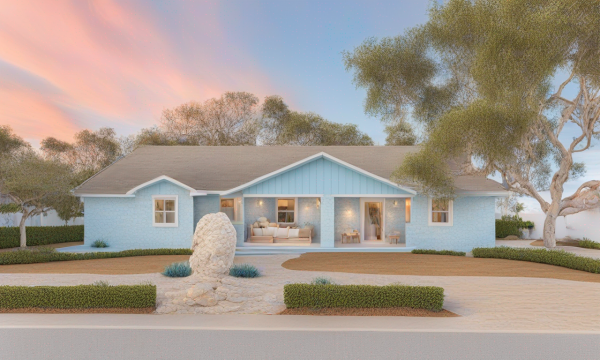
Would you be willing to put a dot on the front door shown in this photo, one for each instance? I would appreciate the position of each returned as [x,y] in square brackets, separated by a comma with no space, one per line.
[372,219]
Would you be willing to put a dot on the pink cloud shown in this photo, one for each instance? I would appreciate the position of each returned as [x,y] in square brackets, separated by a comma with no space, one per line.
[115,61]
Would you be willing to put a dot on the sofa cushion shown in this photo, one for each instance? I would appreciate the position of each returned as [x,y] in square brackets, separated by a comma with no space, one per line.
[257,231]
[304,233]
[282,233]
[270,231]
[293,233]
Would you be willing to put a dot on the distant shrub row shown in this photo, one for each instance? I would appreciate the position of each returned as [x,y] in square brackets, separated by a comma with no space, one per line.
[505,228]
[36,256]
[363,296]
[40,235]
[439,252]
[588,244]
[542,256]
[78,297]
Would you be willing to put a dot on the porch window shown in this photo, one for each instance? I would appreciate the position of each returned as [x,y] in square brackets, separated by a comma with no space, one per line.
[286,211]
[233,209]
[164,211]
[407,210]
[440,212]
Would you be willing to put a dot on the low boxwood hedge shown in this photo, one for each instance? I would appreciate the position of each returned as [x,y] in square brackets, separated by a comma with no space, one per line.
[439,252]
[77,297]
[40,235]
[505,228]
[34,256]
[543,256]
[363,296]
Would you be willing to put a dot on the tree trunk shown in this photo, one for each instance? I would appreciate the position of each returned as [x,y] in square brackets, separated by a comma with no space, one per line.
[550,226]
[23,234]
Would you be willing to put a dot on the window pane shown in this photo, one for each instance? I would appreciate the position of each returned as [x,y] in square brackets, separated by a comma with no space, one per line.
[159,217]
[440,205]
[282,204]
[170,205]
[441,217]
[226,203]
[407,210]
[291,204]
[239,210]
[170,217]
[159,205]
[281,217]
[289,217]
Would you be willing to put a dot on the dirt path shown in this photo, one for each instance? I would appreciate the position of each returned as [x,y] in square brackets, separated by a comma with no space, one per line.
[431,265]
[116,266]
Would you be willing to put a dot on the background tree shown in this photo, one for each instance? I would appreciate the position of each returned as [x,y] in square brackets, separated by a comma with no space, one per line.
[282,126]
[89,153]
[9,141]
[400,133]
[34,184]
[482,86]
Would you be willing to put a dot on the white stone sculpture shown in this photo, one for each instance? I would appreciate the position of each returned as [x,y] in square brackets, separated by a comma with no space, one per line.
[213,245]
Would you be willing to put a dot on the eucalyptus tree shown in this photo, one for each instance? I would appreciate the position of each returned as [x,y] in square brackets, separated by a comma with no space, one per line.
[282,126]
[488,79]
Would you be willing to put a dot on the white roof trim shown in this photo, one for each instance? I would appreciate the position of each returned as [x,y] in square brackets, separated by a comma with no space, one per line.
[105,195]
[193,192]
[310,158]
[499,193]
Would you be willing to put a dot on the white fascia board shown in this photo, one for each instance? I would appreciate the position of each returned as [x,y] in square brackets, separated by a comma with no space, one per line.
[104,195]
[282,195]
[160,178]
[500,193]
[374,195]
[309,159]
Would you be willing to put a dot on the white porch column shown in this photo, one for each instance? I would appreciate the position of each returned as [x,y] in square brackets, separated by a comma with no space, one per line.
[327,221]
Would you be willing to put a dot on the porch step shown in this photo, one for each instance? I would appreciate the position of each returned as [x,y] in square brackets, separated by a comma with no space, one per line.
[289,250]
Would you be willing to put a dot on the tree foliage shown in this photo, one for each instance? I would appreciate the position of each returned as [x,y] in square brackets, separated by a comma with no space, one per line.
[478,77]
[281,126]
[9,141]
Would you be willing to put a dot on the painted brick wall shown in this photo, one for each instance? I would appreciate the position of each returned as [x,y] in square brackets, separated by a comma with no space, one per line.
[127,222]
[347,215]
[474,225]
[308,212]
[253,210]
[395,218]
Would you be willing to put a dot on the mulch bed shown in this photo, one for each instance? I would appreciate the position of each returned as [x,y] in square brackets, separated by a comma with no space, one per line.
[148,310]
[558,243]
[400,311]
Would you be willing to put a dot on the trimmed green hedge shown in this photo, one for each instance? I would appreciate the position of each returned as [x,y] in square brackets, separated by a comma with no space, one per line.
[542,256]
[588,244]
[78,297]
[439,252]
[40,235]
[505,228]
[363,296]
[33,256]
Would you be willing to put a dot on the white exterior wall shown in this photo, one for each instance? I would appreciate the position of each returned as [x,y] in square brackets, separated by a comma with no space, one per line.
[577,226]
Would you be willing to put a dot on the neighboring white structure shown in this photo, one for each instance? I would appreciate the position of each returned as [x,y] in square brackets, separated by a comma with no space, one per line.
[577,226]
[49,219]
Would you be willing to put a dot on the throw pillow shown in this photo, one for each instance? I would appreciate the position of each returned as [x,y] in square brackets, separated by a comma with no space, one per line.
[282,233]
[294,233]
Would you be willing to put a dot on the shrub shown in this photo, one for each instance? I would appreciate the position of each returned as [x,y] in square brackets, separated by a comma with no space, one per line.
[505,228]
[178,269]
[588,244]
[322,281]
[78,297]
[99,244]
[34,256]
[439,252]
[543,256]
[363,296]
[101,283]
[40,235]
[244,271]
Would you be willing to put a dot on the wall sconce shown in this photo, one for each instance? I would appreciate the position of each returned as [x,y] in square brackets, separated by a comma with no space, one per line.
[318,203]
[260,203]
[395,203]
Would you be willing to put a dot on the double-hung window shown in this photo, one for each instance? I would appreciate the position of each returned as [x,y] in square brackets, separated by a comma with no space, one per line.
[286,211]
[440,212]
[164,210]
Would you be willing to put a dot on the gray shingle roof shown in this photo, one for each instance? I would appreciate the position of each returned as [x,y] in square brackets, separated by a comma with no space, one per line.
[218,168]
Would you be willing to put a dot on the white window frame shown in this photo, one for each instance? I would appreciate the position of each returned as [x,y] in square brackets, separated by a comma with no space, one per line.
[238,205]
[430,213]
[295,210]
[165,197]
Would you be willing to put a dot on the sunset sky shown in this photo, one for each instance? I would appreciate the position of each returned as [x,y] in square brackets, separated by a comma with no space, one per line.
[70,65]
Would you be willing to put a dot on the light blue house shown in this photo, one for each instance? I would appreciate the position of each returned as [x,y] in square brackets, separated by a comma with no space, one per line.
[342,196]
